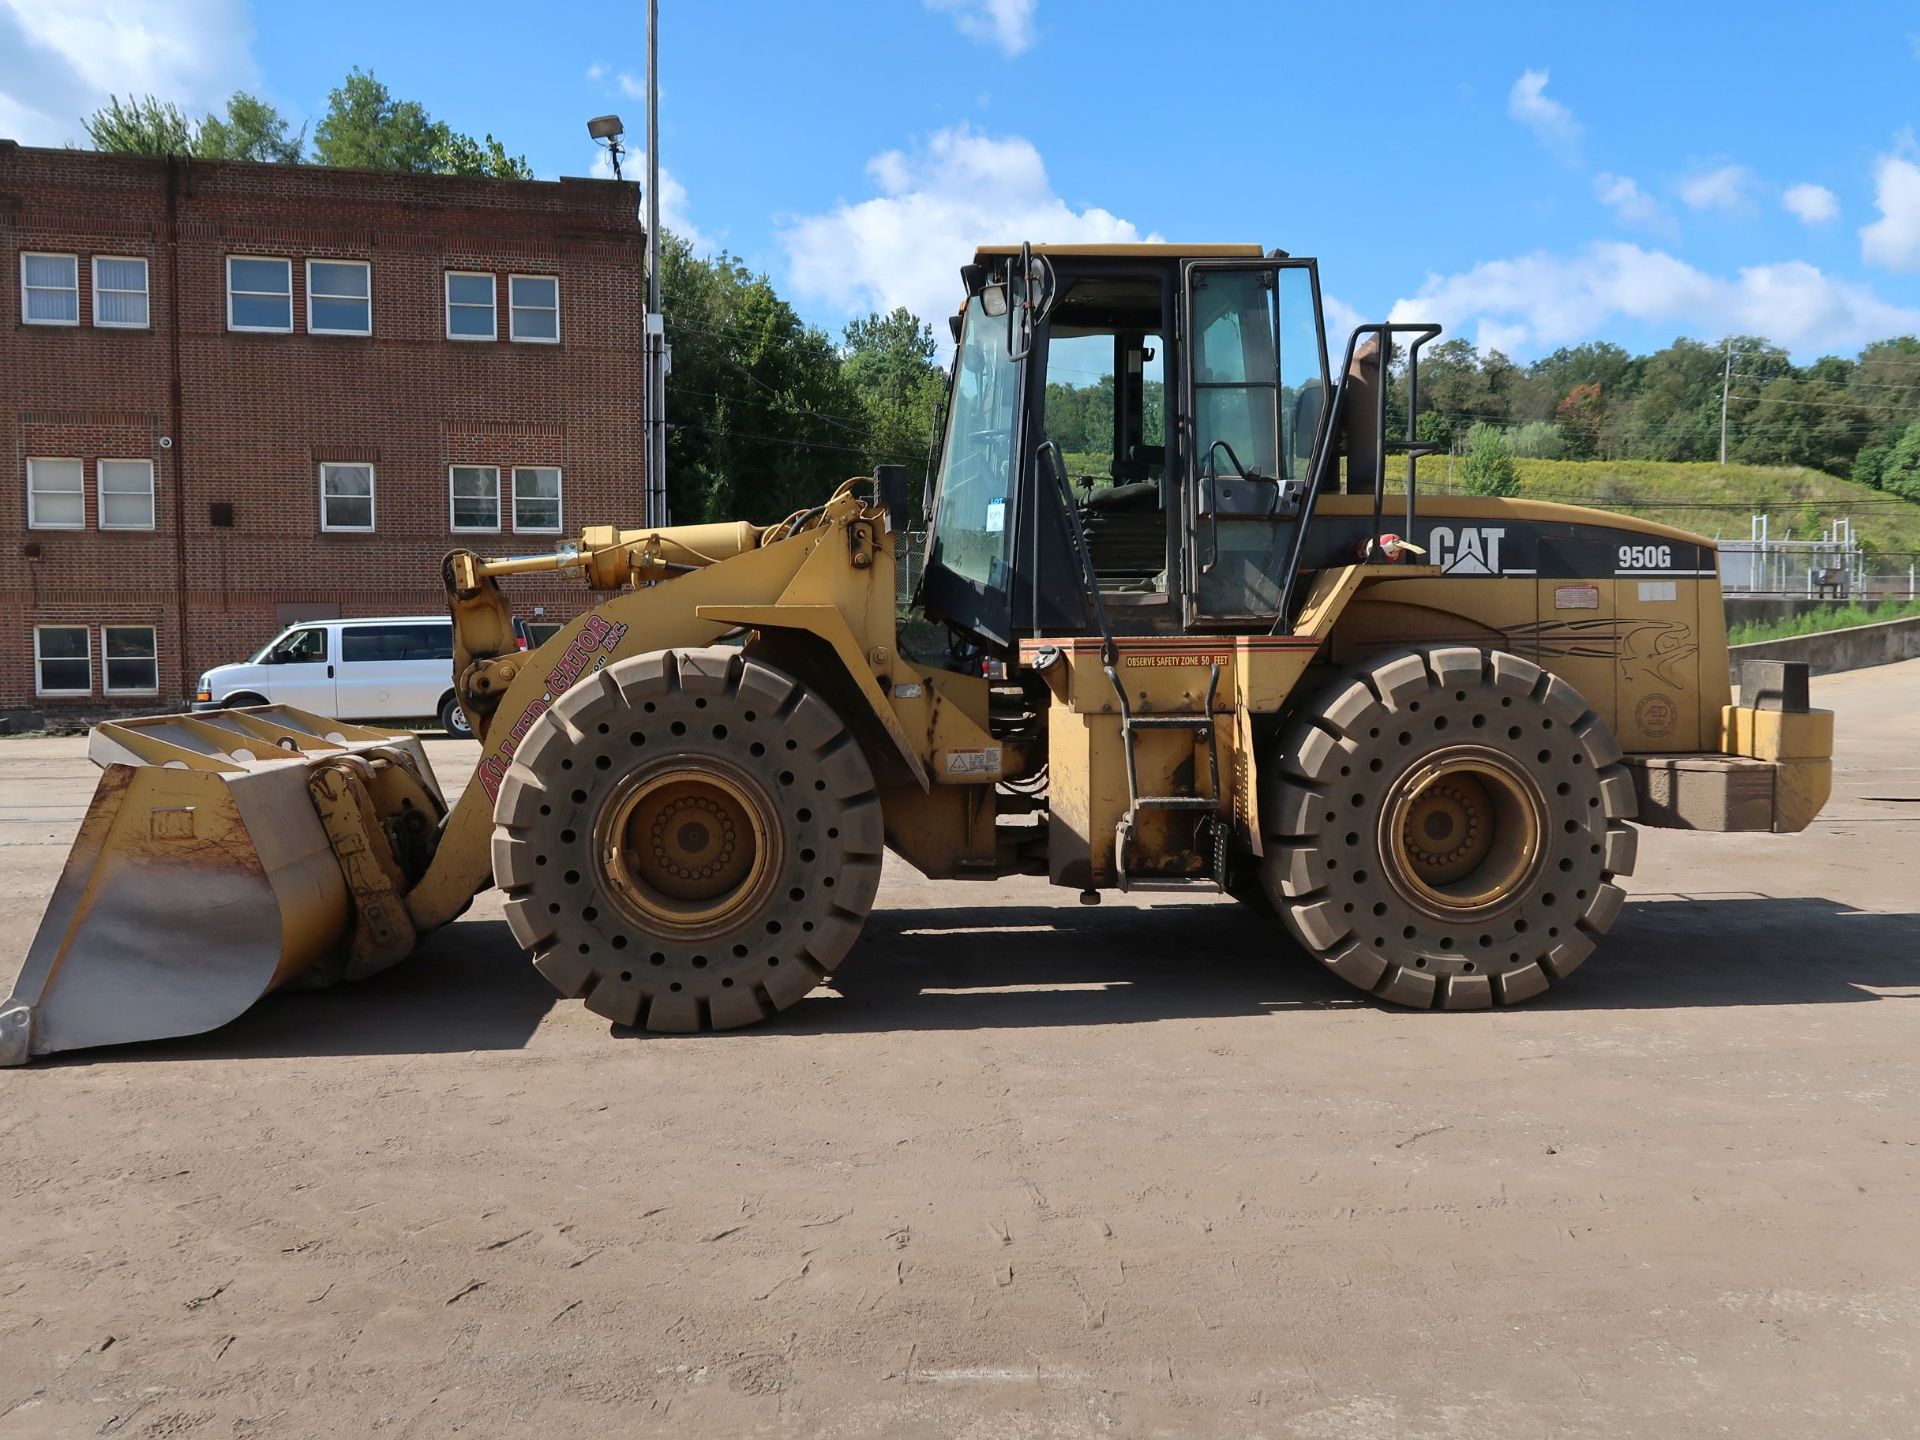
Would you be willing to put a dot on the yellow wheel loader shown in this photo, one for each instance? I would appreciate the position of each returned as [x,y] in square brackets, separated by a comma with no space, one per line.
[1228,648]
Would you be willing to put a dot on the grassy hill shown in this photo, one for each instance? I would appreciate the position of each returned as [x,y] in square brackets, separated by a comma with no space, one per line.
[1714,499]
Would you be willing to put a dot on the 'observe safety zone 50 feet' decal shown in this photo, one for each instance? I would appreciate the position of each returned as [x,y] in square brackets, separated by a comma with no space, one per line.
[580,658]
[1560,551]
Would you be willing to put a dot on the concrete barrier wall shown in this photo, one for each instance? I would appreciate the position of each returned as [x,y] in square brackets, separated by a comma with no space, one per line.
[1854,648]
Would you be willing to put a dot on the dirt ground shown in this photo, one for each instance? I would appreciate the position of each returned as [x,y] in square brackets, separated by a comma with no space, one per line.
[1030,1170]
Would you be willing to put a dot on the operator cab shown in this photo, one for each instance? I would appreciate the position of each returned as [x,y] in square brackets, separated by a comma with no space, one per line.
[1157,405]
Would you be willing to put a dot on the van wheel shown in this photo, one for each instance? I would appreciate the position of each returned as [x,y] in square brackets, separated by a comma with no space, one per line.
[453,719]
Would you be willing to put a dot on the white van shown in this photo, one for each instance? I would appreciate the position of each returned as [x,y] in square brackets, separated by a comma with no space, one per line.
[396,667]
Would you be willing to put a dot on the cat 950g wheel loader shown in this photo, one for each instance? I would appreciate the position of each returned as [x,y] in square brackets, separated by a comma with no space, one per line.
[1239,655]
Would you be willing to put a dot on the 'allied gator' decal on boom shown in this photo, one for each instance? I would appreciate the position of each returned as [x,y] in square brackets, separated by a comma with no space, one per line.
[579,659]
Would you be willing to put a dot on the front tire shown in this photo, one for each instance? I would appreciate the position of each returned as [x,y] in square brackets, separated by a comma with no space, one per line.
[1445,828]
[688,840]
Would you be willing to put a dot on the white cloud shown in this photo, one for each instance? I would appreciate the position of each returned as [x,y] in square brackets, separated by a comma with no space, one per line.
[1815,204]
[1535,302]
[631,88]
[1005,23]
[1630,204]
[1893,241]
[676,214]
[1551,122]
[1723,189]
[960,190]
[60,59]
[1341,319]
[596,72]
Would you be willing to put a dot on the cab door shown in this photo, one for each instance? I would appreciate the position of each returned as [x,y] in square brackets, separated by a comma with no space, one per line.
[1255,383]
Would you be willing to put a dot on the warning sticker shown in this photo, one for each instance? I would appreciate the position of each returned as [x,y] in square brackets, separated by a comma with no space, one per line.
[974,762]
[1175,662]
[1576,597]
[1657,590]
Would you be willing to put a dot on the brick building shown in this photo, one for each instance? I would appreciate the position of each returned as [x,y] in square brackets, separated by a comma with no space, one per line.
[233,396]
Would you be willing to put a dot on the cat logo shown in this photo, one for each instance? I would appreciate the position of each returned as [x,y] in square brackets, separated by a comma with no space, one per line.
[1474,550]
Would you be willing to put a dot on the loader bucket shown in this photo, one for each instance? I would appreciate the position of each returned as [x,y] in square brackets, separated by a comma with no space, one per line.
[202,878]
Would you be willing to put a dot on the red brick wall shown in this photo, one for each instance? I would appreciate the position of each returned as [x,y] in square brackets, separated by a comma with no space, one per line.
[259,412]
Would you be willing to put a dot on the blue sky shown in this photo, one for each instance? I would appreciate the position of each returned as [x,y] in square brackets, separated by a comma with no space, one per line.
[1534,176]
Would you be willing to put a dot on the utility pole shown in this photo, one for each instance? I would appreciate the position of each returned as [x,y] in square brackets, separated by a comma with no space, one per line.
[1726,382]
[656,337]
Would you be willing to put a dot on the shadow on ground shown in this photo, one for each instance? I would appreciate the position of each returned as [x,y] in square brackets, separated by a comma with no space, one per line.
[966,967]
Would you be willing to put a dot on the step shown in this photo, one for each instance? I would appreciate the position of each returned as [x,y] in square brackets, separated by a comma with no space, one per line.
[1161,885]
[1170,722]
[1176,802]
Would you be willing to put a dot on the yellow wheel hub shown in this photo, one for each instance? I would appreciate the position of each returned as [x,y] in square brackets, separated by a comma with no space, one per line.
[1463,832]
[689,847]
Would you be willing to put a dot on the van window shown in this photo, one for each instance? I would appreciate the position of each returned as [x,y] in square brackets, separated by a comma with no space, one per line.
[396,641]
[298,647]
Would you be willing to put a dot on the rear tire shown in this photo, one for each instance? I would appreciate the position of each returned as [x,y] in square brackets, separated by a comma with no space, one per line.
[688,840]
[1444,828]
[453,719]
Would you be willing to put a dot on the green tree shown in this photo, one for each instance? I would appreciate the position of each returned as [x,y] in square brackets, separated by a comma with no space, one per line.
[888,361]
[487,158]
[1900,471]
[1675,410]
[140,126]
[1866,465]
[1488,468]
[251,129]
[1538,440]
[366,127]
[763,420]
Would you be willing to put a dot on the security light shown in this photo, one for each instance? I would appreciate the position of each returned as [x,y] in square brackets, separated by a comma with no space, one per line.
[605,127]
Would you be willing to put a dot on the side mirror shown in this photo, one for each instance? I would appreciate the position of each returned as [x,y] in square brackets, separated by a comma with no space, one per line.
[993,299]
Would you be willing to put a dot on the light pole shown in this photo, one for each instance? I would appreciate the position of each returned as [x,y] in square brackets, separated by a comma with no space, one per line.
[656,322]
[1726,382]
[607,130]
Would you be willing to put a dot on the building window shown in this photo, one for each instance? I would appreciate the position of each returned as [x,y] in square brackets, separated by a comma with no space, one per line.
[127,655]
[470,303]
[119,292]
[126,494]
[346,497]
[476,497]
[259,294]
[56,495]
[339,297]
[536,498]
[49,289]
[533,308]
[62,660]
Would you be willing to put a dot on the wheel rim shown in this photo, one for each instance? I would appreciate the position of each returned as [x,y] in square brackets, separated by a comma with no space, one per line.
[1463,832]
[690,847]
